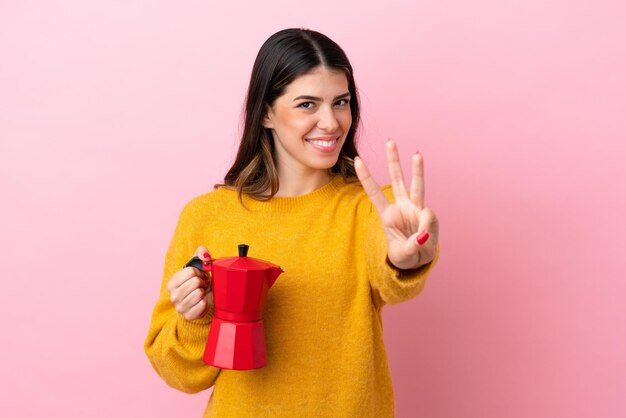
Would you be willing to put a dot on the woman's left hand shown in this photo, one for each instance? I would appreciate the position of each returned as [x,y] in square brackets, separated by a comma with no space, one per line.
[412,231]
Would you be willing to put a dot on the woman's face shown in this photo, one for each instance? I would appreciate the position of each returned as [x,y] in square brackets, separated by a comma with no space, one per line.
[310,121]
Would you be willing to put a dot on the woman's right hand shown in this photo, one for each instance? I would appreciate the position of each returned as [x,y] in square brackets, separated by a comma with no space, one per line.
[190,289]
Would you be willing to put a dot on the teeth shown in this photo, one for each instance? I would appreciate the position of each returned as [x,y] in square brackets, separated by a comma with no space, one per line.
[323,143]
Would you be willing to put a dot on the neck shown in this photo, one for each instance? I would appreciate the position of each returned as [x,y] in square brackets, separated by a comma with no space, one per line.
[298,183]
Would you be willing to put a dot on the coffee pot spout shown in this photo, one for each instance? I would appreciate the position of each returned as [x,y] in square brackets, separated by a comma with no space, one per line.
[272,275]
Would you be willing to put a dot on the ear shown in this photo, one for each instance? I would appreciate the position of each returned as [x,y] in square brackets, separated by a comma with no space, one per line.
[267,118]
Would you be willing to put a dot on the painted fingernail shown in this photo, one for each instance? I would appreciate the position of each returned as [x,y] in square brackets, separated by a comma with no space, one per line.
[206,262]
[422,238]
[206,255]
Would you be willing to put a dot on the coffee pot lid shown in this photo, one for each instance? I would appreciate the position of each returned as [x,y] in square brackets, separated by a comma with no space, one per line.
[243,262]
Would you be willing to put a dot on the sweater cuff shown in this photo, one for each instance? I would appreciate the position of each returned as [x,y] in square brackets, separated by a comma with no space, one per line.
[205,320]
[192,335]
[415,273]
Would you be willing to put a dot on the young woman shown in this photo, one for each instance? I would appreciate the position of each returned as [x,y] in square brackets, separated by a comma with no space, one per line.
[299,195]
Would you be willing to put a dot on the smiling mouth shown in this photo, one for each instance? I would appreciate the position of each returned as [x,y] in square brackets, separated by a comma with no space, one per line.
[323,143]
[326,146]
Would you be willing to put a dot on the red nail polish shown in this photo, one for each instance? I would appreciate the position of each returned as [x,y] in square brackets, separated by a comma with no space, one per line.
[206,255]
[422,238]
[206,263]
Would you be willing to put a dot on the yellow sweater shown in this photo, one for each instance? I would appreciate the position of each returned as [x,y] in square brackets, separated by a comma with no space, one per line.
[323,325]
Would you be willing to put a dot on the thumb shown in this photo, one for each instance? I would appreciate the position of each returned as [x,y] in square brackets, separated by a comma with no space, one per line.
[422,242]
[413,245]
[203,253]
[418,243]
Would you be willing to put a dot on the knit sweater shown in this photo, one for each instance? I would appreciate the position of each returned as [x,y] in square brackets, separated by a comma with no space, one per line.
[323,324]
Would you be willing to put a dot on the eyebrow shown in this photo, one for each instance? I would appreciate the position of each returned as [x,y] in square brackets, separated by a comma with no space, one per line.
[319,99]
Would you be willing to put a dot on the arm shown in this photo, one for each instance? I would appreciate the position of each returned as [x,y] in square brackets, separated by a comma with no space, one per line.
[400,229]
[175,345]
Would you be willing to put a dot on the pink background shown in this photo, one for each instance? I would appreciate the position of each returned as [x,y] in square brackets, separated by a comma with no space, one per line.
[114,114]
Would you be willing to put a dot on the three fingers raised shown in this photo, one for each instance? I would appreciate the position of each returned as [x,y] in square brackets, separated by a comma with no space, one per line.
[398,186]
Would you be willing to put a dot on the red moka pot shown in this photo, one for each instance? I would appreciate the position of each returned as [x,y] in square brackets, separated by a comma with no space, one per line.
[236,338]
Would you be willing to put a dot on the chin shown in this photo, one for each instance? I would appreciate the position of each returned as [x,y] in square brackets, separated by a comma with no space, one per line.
[326,163]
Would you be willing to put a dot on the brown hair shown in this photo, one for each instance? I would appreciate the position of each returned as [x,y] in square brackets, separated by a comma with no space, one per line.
[283,57]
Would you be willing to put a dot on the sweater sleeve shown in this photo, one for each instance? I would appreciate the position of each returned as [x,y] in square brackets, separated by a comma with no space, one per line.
[175,345]
[390,284]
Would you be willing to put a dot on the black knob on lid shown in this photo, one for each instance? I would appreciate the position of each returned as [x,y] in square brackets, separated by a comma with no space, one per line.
[243,250]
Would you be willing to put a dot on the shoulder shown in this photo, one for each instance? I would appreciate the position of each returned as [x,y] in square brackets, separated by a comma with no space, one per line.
[209,202]
[349,191]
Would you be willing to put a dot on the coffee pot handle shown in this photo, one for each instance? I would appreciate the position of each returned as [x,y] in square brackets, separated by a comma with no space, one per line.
[194,262]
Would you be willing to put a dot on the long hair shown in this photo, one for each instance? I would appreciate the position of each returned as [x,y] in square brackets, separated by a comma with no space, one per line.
[283,57]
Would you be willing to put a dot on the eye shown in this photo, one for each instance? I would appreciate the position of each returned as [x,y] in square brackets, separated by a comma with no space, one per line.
[306,105]
[342,102]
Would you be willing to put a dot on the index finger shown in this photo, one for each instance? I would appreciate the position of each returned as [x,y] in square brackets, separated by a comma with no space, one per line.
[182,276]
[369,185]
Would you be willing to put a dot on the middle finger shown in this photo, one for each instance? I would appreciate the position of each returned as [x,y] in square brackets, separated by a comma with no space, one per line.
[395,171]
[189,286]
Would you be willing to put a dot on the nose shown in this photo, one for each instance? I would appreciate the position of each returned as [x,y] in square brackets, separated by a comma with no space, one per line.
[327,119]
